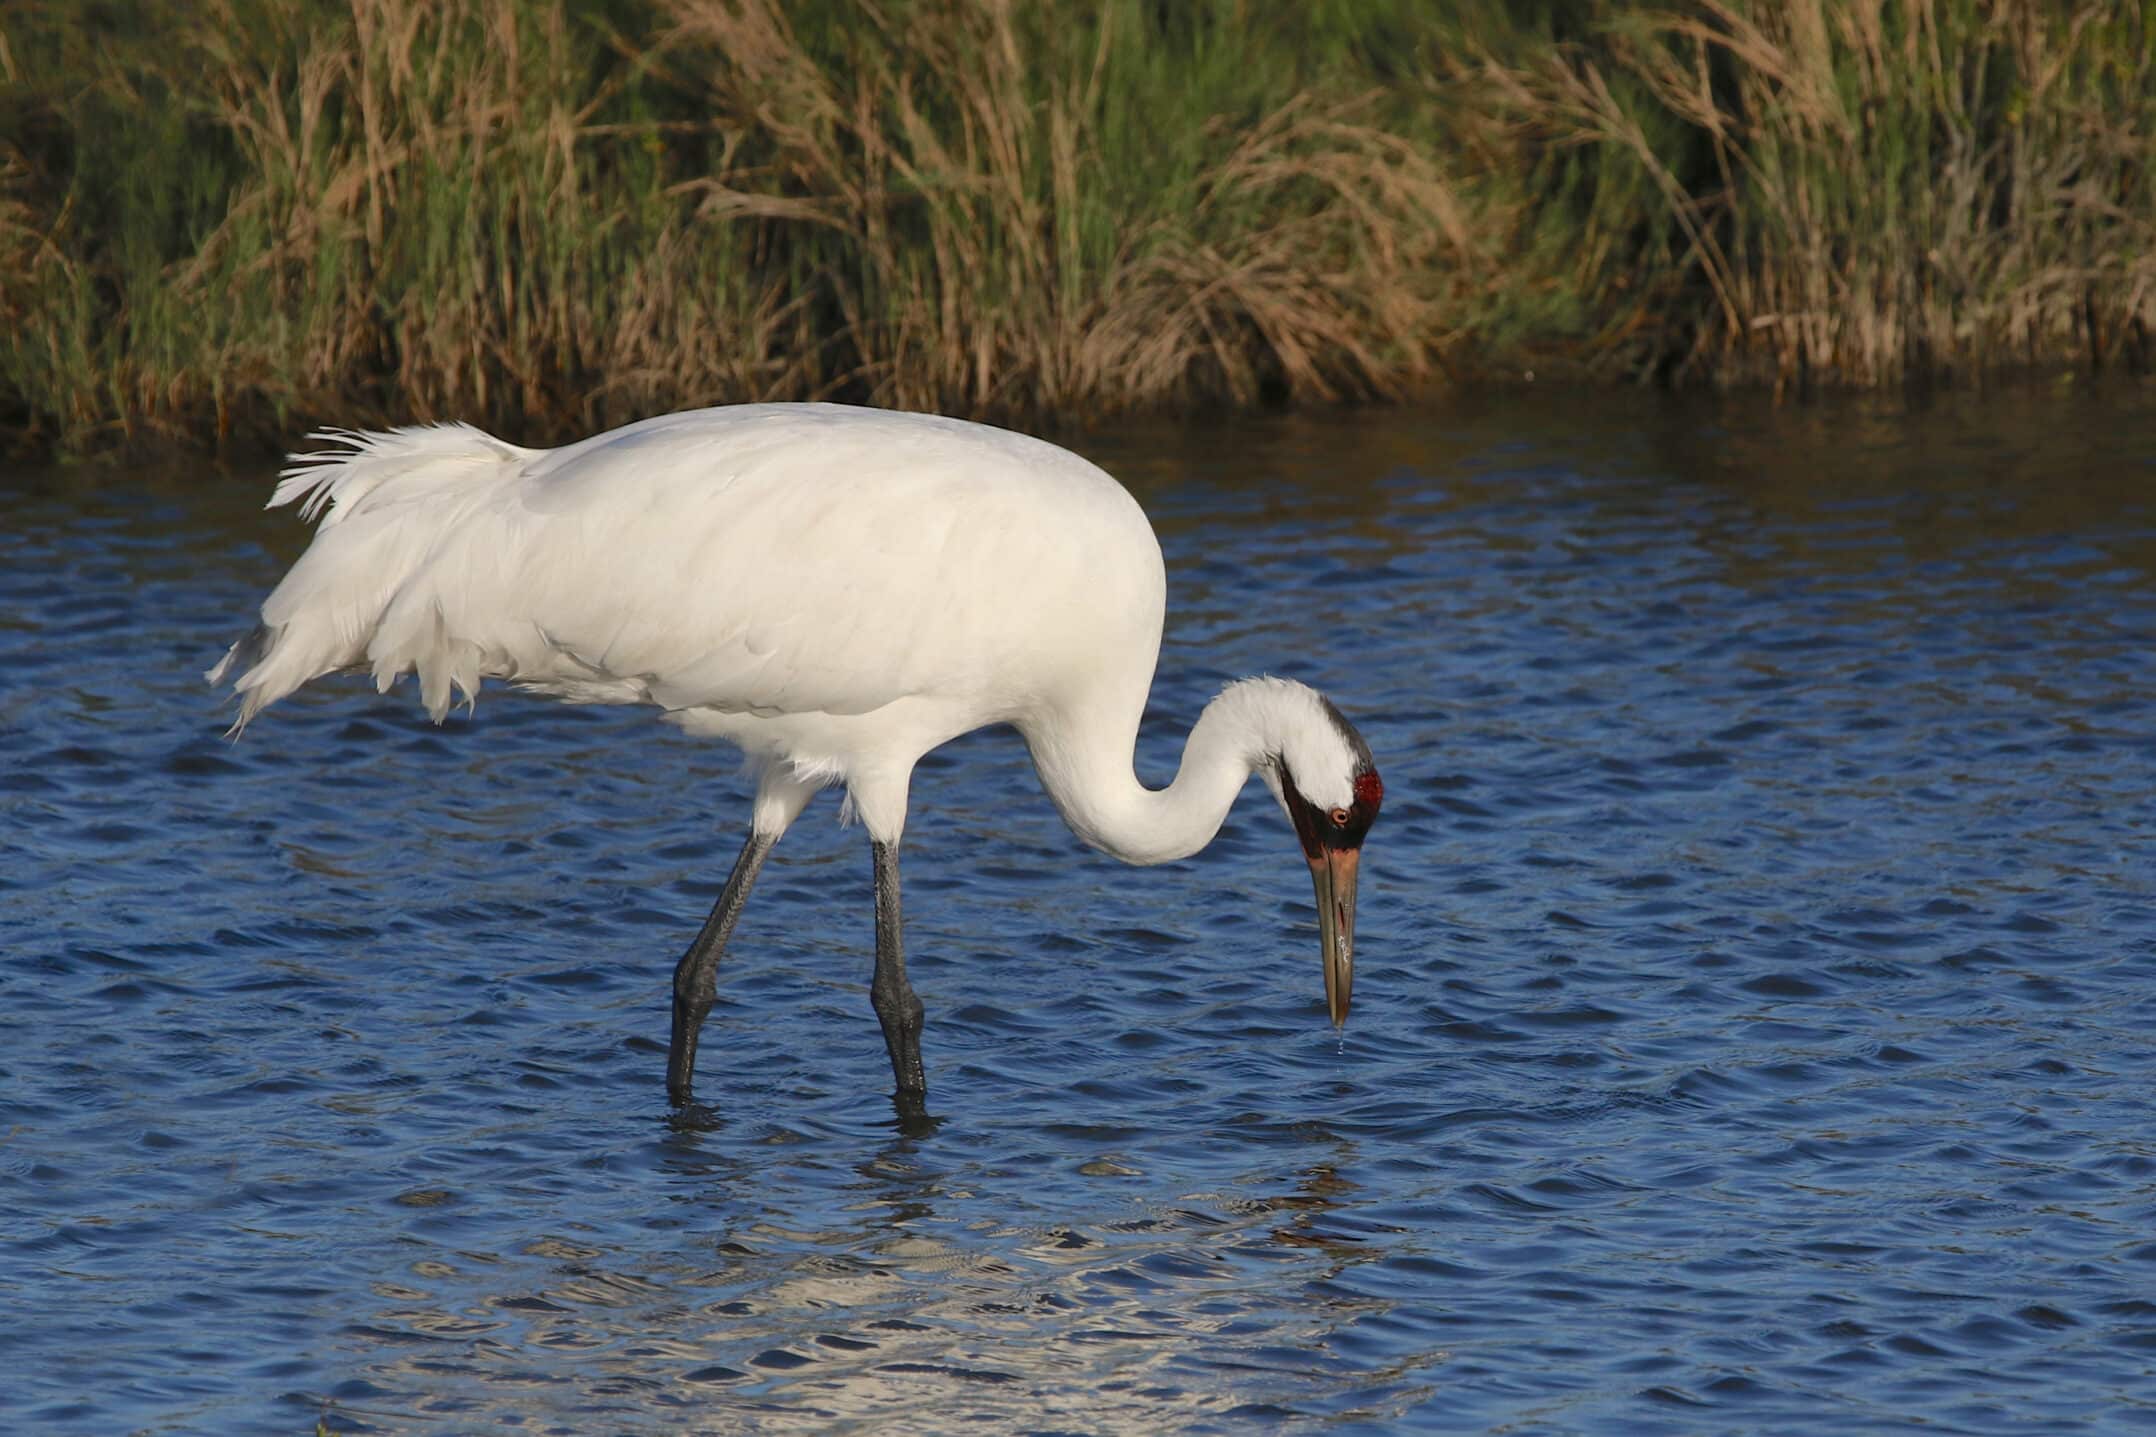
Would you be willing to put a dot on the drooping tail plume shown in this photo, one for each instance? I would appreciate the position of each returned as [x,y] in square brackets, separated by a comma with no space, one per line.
[383,500]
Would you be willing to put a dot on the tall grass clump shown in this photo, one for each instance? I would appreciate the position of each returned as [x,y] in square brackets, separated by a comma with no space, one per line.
[382,208]
[1854,192]
[562,214]
[1008,208]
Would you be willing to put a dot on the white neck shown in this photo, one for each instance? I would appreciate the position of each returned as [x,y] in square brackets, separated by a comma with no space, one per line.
[1086,766]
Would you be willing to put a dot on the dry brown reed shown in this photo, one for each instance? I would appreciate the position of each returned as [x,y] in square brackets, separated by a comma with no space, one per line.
[434,211]
[491,208]
[1867,191]
[988,239]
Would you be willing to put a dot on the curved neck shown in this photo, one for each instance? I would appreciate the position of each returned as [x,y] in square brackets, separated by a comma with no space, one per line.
[1087,769]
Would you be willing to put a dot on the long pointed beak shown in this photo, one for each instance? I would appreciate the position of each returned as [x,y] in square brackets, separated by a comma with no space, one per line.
[1333,873]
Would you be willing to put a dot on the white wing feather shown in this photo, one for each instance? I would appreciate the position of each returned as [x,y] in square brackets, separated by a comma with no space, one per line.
[763,560]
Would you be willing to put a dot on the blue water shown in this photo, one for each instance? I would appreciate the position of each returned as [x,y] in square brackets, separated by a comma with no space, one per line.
[1755,1029]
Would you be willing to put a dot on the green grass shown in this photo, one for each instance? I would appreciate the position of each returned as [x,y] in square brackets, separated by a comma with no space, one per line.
[556,215]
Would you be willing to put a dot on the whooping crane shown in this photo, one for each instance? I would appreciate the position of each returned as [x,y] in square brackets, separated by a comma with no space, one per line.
[835,591]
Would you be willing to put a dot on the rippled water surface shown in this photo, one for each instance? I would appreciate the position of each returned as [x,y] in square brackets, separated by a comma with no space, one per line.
[1755,1029]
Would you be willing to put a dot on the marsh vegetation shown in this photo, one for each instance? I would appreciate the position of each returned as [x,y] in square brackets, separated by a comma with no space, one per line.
[555,216]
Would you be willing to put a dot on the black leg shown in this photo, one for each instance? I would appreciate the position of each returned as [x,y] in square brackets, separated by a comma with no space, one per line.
[896,1006]
[696,977]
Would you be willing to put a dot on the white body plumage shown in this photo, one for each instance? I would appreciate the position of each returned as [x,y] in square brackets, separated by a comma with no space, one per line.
[834,590]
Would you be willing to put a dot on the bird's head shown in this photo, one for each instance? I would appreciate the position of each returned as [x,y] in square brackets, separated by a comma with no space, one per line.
[1320,769]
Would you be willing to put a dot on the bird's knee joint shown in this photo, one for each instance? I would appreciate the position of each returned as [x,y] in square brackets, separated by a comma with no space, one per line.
[895,1004]
[692,997]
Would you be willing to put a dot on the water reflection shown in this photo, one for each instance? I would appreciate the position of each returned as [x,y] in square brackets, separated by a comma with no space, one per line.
[902,1311]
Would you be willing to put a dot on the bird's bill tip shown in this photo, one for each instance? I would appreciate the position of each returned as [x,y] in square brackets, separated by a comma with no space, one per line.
[1333,873]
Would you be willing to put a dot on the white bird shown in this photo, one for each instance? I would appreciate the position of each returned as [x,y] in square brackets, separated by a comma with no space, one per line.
[835,591]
